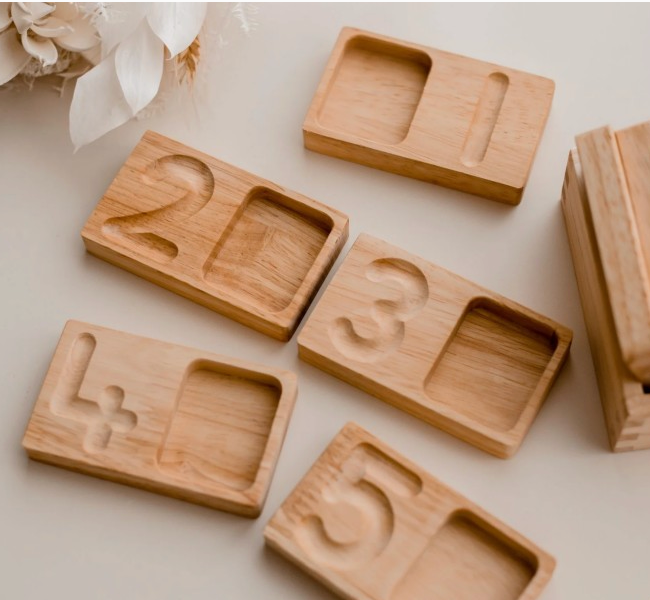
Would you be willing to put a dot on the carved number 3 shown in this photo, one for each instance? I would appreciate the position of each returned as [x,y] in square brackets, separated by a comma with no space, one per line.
[354,518]
[169,175]
[388,316]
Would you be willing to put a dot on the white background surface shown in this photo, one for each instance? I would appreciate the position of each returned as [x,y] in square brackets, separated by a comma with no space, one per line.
[64,535]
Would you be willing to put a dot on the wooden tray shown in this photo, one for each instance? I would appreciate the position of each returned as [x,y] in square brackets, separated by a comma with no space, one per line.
[429,114]
[169,419]
[625,399]
[217,235]
[438,346]
[371,525]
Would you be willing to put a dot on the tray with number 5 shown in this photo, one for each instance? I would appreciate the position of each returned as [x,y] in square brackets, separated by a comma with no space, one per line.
[371,525]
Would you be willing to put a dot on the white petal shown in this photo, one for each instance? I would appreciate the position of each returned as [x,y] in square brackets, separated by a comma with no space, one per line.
[22,18]
[66,11]
[52,27]
[83,37]
[36,10]
[5,17]
[125,18]
[139,61]
[177,23]
[12,56]
[98,104]
[40,48]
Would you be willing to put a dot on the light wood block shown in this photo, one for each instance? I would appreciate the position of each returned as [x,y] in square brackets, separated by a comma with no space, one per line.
[174,420]
[217,235]
[625,399]
[428,114]
[444,349]
[371,525]
[619,243]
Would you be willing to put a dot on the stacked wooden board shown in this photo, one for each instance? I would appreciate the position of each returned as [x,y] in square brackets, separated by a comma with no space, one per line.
[606,202]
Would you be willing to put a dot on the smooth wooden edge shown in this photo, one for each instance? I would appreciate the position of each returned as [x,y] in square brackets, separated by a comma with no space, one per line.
[616,233]
[317,139]
[626,408]
[545,562]
[248,502]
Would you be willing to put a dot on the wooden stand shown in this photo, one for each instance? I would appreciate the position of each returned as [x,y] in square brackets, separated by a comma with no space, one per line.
[438,346]
[217,235]
[429,114]
[169,419]
[371,525]
[606,203]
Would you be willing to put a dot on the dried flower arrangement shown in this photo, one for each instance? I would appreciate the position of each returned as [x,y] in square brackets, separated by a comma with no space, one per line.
[123,55]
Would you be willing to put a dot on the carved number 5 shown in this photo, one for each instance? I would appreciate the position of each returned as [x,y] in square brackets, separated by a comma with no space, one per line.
[388,316]
[354,518]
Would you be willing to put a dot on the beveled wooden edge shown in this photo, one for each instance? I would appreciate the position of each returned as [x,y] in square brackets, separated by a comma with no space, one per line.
[617,236]
[622,398]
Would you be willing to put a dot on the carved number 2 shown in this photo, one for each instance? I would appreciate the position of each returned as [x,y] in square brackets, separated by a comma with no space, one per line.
[388,316]
[169,175]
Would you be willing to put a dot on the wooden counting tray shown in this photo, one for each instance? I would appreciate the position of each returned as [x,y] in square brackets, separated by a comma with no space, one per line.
[438,346]
[371,525]
[429,114]
[217,235]
[169,419]
[606,203]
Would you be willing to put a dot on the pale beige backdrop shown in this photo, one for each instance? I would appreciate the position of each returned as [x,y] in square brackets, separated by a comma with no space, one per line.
[67,536]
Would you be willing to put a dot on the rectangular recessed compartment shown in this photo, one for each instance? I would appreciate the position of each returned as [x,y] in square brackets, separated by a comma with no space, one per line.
[506,354]
[268,249]
[220,427]
[464,560]
[375,90]
[369,524]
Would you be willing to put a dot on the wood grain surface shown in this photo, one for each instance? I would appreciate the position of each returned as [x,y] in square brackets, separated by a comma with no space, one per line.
[217,235]
[429,114]
[436,345]
[371,525]
[174,420]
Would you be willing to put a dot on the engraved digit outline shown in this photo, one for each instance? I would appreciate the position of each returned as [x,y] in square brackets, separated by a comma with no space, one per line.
[171,171]
[102,417]
[355,519]
[389,316]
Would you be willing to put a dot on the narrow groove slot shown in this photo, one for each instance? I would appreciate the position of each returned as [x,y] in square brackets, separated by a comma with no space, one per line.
[485,119]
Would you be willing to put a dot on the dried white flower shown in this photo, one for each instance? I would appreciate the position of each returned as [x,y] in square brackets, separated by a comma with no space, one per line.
[134,53]
[36,32]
